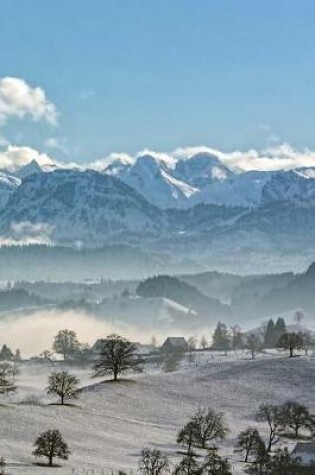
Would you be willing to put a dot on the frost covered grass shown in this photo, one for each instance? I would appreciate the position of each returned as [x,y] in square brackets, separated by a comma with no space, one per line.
[111,422]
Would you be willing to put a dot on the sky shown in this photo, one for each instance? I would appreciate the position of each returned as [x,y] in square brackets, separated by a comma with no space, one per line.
[82,79]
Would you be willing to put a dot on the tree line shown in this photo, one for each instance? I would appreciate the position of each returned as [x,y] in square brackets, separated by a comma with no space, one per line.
[206,427]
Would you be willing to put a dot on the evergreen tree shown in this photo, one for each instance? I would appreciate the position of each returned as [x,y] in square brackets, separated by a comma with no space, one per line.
[6,354]
[17,356]
[280,328]
[221,338]
[270,339]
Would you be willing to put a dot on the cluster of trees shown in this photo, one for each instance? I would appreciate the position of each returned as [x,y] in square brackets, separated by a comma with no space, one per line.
[6,354]
[273,332]
[67,344]
[275,335]
[206,427]
[116,355]
[9,368]
[225,339]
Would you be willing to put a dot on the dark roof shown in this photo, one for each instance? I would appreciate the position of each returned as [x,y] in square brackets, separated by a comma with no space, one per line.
[176,340]
[308,447]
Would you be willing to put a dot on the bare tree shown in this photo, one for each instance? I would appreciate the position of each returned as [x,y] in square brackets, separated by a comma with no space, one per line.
[204,427]
[203,342]
[215,464]
[2,466]
[64,385]
[297,417]
[117,355]
[66,343]
[50,444]
[6,381]
[247,442]
[272,416]
[291,341]
[153,462]
[253,344]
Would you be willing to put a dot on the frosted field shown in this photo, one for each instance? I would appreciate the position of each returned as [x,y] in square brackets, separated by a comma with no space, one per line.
[111,422]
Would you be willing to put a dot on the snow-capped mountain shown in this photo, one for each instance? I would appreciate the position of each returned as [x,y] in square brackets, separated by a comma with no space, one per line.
[199,179]
[154,180]
[8,184]
[79,206]
[201,170]
[30,168]
[296,186]
[195,204]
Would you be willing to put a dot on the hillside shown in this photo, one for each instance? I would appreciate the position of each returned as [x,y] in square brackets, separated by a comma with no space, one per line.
[149,410]
[184,294]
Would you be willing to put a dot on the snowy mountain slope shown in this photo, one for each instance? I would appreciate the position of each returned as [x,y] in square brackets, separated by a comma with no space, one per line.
[149,312]
[242,189]
[149,410]
[77,205]
[154,181]
[8,184]
[296,186]
[201,169]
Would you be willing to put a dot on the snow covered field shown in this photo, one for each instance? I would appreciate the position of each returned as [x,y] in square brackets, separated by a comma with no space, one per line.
[111,422]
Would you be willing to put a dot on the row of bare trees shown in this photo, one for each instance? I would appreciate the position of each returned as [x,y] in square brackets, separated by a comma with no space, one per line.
[207,426]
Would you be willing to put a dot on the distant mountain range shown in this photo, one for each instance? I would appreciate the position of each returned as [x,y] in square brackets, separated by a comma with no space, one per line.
[196,209]
[193,300]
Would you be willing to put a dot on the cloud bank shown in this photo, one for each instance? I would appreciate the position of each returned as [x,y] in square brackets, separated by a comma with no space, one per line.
[281,157]
[19,99]
[15,157]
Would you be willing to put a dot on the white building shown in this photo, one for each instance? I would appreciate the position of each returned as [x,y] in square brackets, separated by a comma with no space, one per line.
[305,453]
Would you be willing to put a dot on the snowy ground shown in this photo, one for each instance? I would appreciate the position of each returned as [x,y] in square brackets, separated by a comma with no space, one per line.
[110,423]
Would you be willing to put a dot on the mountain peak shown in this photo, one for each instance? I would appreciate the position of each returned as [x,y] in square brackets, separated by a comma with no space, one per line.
[29,169]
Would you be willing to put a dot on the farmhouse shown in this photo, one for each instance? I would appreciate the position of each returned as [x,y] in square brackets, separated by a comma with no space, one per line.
[174,344]
[305,452]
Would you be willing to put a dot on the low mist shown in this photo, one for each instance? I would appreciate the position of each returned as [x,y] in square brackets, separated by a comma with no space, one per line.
[34,332]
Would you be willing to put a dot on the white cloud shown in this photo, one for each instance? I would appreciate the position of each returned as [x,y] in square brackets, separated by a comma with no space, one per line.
[27,233]
[282,157]
[279,157]
[102,163]
[19,99]
[15,157]
[166,158]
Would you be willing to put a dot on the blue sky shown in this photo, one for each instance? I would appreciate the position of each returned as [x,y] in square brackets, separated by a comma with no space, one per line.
[130,74]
